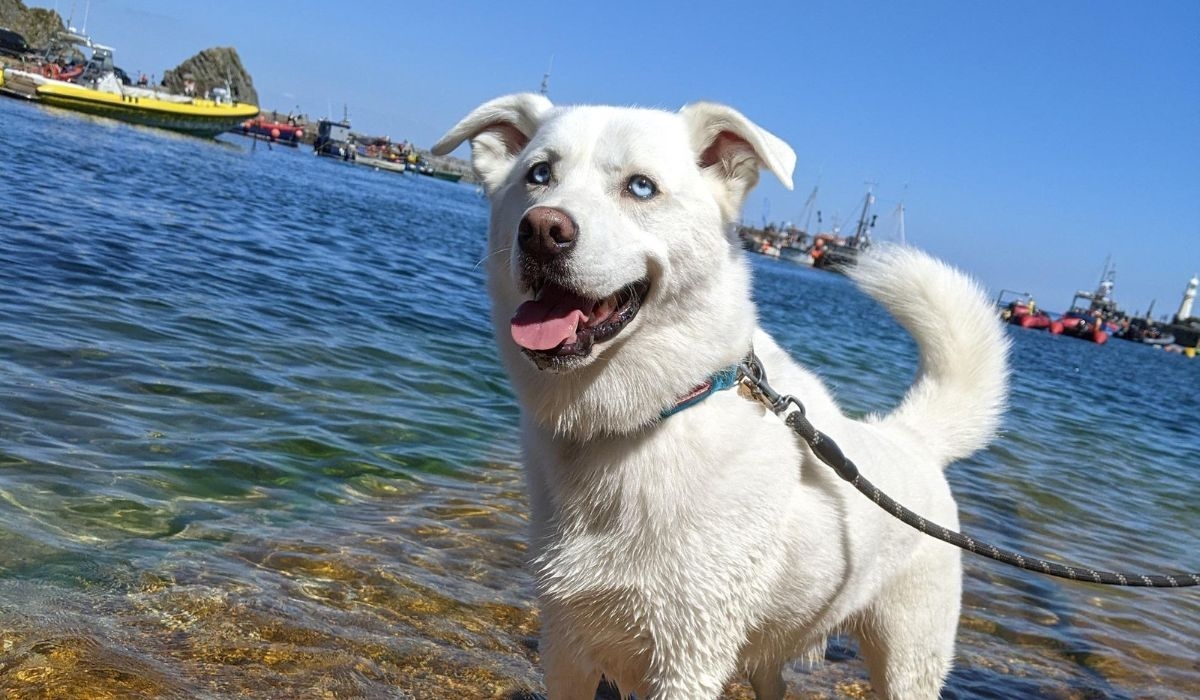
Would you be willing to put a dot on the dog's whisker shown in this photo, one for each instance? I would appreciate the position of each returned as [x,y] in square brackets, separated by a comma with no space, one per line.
[494,253]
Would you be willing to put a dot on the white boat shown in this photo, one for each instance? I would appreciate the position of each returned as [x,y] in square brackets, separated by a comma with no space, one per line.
[381,164]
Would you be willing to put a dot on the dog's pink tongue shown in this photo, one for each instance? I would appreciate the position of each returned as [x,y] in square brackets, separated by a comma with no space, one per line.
[546,323]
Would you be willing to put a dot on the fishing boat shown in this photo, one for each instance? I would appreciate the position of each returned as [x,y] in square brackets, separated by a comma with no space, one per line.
[96,86]
[837,255]
[1094,315]
[334,139]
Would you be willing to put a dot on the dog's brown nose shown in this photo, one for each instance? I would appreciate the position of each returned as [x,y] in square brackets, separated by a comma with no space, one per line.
[546,233]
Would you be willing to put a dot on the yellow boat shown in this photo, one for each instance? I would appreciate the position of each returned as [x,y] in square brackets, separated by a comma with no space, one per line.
[195,116]
[99,87]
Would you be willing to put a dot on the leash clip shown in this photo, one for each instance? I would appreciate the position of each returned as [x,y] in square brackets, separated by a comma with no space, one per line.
[752,373]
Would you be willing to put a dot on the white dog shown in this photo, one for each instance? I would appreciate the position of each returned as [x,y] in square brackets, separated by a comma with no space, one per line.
[672,552]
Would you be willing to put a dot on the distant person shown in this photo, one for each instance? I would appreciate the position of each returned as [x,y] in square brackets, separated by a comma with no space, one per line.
[143,81]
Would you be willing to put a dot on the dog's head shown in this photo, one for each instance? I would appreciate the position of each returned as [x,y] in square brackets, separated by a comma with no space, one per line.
[616,284]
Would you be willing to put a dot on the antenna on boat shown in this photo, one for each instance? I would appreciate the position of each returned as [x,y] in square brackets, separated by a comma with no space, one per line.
[810,205]
[900,216]
[545,89]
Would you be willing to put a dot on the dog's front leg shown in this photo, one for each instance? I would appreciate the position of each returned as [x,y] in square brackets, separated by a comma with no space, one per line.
[688,685]
[568,677]
[768,684]
[680,673]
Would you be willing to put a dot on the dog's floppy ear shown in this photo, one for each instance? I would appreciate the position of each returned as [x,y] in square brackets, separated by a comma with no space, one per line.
[498,131]
[734,148]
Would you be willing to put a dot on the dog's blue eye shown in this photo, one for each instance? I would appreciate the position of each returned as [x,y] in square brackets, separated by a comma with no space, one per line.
[539,174]
[641,187]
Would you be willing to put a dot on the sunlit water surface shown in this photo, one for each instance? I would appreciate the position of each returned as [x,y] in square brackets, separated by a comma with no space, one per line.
[255,442]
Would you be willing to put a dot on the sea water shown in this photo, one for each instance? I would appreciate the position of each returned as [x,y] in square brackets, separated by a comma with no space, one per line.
[255,442]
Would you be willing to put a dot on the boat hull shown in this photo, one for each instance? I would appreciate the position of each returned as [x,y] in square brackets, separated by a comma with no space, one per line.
[1019,314]
[1034,321]
[381,164]
[203,118]
[836,258]
[275,132]
[1082,328]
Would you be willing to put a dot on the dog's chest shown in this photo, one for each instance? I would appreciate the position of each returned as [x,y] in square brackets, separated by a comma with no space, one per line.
[634,552]
[695,532]
[622,598]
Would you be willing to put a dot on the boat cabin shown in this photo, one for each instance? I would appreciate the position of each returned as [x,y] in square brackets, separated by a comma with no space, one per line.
[333,131]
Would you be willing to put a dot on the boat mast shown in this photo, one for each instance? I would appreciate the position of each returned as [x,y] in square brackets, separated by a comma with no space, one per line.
[809,208]
[900,216]
[545,89]
[1107,280]
[860,233]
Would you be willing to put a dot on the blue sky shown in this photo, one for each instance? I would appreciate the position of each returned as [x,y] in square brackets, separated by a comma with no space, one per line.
[1029,140]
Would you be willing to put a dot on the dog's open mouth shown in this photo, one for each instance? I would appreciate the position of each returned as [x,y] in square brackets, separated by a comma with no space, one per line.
[558,323]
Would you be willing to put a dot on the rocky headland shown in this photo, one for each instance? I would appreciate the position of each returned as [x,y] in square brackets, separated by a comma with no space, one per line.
[215,67]
[38,25]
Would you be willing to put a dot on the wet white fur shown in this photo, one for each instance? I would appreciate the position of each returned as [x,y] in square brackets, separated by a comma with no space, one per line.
[672,555]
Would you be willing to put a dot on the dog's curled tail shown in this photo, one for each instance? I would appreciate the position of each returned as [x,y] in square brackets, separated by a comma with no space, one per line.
[961,387]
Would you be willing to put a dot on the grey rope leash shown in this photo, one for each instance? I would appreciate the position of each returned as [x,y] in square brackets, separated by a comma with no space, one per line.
[752,373]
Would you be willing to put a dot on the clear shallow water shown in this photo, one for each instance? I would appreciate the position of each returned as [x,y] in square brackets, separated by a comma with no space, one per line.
[254,442]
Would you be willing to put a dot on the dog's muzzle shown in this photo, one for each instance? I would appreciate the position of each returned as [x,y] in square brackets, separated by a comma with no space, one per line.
[560,324]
